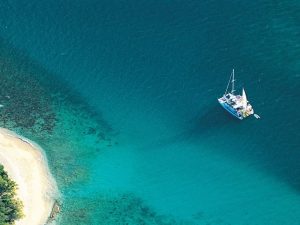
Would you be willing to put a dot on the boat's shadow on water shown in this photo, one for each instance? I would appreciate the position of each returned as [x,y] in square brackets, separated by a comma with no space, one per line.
[251,141]
[198,127]
[262,143]
[212,119]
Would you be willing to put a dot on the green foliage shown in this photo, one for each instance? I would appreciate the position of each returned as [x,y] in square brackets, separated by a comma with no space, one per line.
[10,206]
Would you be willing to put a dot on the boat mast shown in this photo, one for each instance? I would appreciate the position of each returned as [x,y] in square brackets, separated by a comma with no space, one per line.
[232,87]
[228,84]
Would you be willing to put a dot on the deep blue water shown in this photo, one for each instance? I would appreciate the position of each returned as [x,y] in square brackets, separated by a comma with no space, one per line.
[153,71]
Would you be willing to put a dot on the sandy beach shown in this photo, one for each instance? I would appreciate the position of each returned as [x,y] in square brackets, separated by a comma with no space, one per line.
[27,166]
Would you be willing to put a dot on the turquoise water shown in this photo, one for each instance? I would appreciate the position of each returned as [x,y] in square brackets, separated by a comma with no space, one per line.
[122,97]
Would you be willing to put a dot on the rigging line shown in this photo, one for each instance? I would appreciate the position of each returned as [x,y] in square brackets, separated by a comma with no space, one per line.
[228,83]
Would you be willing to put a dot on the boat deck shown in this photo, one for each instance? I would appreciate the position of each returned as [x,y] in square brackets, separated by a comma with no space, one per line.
[234,104]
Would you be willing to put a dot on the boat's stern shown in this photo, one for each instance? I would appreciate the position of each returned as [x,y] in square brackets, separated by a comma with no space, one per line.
[248,111]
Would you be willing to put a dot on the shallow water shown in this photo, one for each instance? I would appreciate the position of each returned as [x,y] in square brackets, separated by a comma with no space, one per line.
[122,97]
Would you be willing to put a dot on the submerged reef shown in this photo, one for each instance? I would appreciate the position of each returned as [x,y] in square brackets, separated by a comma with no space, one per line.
[124,209]
[37,104]
[24,102]
[31,97]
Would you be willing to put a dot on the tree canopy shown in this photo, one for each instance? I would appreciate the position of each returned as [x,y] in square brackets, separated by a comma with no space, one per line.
[10,206]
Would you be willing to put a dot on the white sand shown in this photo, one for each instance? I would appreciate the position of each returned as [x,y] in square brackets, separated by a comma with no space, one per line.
[27,166]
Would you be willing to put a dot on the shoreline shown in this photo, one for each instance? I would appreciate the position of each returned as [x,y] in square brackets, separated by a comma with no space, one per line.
[27,165]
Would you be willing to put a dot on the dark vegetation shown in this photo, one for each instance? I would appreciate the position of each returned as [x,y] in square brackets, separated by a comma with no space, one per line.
[10,206]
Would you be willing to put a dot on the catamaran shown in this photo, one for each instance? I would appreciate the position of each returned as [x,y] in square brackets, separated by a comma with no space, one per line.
[236,105]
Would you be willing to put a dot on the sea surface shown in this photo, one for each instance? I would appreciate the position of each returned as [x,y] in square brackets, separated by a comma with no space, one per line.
[122,96]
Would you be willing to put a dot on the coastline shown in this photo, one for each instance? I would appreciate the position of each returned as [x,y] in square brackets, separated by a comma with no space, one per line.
[26,164]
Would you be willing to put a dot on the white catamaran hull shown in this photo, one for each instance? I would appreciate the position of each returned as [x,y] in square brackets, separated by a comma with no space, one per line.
[236,105]
[230,109]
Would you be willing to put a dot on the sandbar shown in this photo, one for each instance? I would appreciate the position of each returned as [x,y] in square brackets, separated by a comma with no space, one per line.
[27,165]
